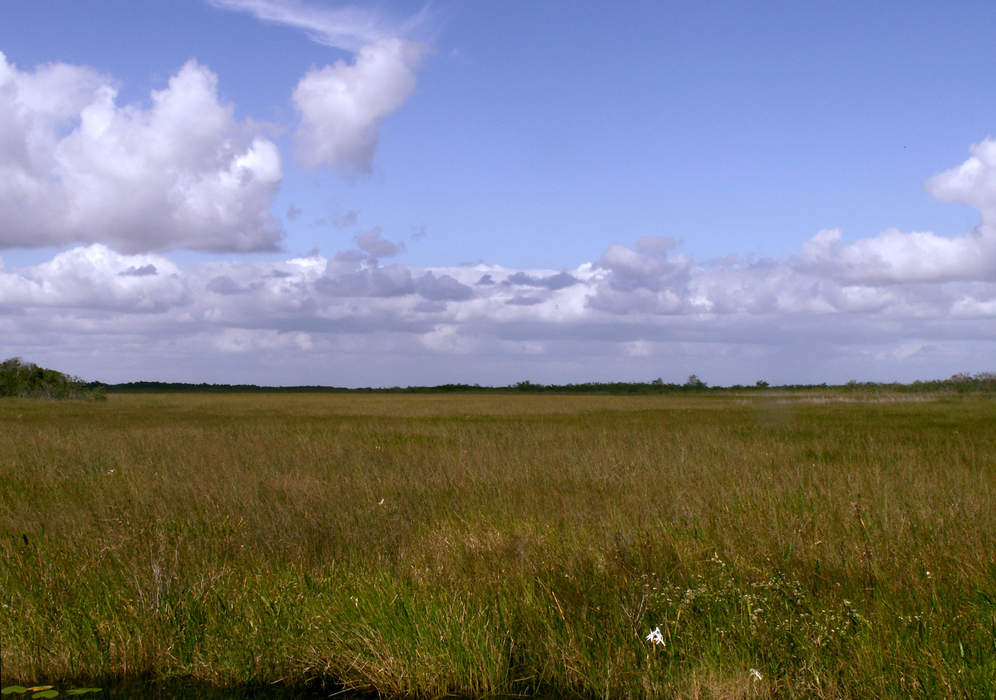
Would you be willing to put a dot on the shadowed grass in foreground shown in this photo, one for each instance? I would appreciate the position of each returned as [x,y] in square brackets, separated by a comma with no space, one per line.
[475,545]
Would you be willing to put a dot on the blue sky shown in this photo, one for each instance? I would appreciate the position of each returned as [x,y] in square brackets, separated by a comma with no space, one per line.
[739,190]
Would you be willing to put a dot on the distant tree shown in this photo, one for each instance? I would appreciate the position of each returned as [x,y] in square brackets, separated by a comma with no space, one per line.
[761,384]
[693,382]
[658,382]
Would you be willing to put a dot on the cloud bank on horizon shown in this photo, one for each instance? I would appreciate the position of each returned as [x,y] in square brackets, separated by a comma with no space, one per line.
[117,187]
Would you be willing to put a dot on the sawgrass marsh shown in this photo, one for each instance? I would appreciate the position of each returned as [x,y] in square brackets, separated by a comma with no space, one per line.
[781,545]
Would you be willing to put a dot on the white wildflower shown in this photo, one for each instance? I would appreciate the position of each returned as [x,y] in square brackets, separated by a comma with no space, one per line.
[655,637]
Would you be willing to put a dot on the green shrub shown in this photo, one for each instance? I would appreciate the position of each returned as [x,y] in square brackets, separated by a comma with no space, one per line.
[28,380]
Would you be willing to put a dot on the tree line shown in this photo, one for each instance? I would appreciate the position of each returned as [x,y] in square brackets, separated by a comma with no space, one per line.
[982,382]
[26,379]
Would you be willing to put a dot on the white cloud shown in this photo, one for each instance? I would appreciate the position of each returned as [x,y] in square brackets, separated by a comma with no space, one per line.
[972,183]
[896,257]
[642,280]
[734,321]
[98,279]
[347,27]
[342,105]
[389,281]
[892,306]
[77,167]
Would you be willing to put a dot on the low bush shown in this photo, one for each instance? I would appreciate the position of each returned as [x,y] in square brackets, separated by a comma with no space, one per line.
[28,380]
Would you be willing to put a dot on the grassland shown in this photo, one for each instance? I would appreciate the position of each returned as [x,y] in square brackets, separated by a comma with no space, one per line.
[502,545]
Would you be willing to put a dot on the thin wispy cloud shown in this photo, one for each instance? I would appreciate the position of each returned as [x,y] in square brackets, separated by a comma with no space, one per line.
[347,27]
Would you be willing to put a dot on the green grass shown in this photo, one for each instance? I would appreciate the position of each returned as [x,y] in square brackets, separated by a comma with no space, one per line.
[497,545]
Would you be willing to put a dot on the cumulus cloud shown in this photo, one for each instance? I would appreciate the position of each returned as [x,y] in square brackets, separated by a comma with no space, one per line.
[643,279]
[752,315]
[374,244]
[646,267]
[342,105]
[142,271]
[892,306]
[223,284]
[371,246]
[97,278]
[557,281]
[896,257]
[442,288]
[75,166]
[389,281]
[353,255]
[972,183]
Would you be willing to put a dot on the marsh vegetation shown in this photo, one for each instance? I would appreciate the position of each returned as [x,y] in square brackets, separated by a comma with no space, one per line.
[503,544]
